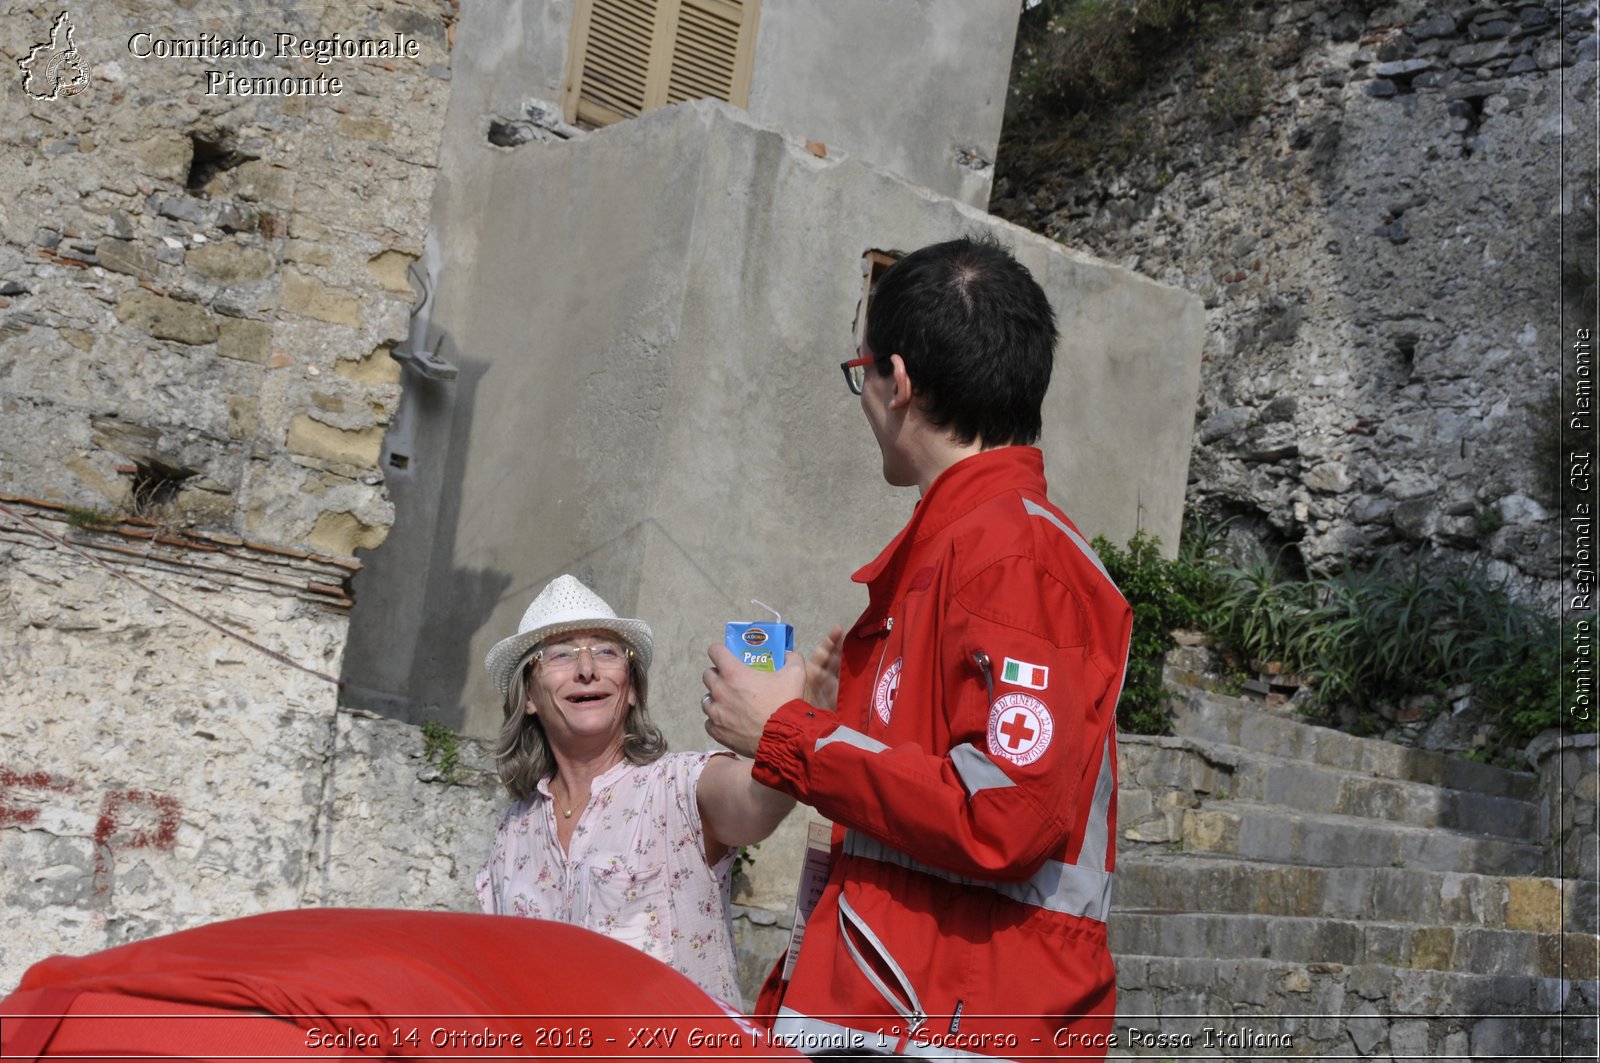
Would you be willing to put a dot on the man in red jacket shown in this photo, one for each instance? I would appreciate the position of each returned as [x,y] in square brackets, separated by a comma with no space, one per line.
[970,767]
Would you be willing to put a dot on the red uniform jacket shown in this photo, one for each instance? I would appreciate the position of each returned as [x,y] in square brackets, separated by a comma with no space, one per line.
[970,772]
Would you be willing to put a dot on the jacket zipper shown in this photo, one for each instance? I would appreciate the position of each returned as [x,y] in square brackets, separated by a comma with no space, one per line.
[911,1008]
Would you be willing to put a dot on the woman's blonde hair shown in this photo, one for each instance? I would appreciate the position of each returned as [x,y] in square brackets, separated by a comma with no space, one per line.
[523,753]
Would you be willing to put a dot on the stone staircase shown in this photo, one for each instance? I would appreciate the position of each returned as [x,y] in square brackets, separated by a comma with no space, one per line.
[1289,891]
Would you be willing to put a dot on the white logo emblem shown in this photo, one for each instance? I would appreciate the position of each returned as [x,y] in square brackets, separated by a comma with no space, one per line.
[1019,728]
[888,687]
[55,69]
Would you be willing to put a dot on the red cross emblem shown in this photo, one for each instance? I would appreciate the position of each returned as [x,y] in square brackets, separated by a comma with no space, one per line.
[1020,727]
[888,686]
[1016,731]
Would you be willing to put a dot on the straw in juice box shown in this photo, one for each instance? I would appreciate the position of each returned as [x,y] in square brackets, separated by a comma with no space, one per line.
[760,644]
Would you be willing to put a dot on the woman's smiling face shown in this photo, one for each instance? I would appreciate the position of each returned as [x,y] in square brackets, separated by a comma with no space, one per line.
[581,688]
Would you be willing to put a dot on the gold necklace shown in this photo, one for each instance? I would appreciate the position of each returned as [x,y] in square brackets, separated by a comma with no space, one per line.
[567,812]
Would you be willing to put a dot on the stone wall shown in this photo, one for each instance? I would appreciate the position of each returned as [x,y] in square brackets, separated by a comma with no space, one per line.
[1569,794]
[200,291]
[174,752]
[198,295]
[1379,250]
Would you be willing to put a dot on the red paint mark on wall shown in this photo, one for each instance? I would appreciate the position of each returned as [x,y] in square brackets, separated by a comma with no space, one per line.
[11,816]
[129,819]
[132,819]
[137,819]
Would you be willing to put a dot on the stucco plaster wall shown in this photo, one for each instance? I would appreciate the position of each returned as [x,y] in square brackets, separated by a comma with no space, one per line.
[824,69]
[665,418]
[912,87]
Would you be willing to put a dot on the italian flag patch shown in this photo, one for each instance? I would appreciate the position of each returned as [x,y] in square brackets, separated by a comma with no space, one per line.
[1023,674]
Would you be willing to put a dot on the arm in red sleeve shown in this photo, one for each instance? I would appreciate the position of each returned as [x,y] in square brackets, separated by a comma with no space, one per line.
[990,806]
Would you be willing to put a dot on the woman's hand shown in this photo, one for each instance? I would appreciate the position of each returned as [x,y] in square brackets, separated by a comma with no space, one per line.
[822,671]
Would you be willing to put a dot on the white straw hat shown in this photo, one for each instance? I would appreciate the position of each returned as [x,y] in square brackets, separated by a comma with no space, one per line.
[564,605]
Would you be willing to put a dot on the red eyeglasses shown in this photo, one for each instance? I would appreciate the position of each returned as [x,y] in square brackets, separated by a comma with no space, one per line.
[855,373]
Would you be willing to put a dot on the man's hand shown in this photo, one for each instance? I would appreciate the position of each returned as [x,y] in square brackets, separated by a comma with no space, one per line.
[740,698]
[822,671]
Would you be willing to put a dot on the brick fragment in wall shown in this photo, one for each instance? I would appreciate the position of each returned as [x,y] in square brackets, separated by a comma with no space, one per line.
[343,533]
[373,129]
[317,440]
[230,263]
[244,340]
[390,268]
[1534,904]
[307,251]
[113,490]
[124,256]
[167,319]
[166,156]
[378,369]
[256,181]
[244,416]
[307,295]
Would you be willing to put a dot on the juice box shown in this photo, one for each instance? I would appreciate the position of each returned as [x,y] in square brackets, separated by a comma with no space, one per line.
[760,644]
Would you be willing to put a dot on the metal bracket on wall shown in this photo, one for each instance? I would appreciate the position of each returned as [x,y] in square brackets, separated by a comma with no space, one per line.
[426,361]
[416,353]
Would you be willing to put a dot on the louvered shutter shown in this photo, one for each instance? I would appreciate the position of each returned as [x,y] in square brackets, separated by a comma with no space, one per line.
[630,56]
[610,66]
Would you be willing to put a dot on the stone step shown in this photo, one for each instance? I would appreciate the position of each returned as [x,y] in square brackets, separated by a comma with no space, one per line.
[1316,788]
[1204,882]
[1215,717]
[1273,834]
[1352,942]
[1282,1009]
[1220,770]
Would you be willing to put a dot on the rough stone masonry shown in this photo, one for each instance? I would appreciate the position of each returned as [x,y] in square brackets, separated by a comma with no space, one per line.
[1379,249]
[199,291]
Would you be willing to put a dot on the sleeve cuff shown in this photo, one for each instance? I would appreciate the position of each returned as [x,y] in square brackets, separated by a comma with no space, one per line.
[788,735]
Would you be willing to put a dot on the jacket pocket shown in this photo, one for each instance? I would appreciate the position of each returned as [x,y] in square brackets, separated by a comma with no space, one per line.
[631,907]
[879,967]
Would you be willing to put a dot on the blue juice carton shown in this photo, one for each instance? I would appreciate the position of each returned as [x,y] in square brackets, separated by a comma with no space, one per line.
[760,644]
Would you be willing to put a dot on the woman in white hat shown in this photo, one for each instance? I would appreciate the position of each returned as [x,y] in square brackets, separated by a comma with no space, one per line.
[606,829]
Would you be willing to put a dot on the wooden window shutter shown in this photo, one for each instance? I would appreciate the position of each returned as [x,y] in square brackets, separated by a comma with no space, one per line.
[631,56]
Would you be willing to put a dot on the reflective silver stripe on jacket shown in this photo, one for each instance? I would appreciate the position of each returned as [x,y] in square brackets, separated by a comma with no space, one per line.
[811,1035]
[1058,887]
[1035,510]
[850,737]
[977,771]
[1095,841]
[1096,834]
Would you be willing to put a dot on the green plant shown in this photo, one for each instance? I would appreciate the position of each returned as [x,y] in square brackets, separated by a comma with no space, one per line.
[442,749]
[1235,88]
[743,859]
[1080,71]
[1402,628]
[1076,54]
[88,519]
[1164,595]
[1487,521]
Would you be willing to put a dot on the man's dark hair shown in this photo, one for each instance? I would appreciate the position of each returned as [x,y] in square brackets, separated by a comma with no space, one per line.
[977,336]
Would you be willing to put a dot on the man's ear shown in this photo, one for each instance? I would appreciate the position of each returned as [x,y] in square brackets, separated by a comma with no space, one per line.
[902,394]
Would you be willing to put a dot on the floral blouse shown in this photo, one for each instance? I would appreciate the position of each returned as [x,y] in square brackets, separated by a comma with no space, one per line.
[635,869]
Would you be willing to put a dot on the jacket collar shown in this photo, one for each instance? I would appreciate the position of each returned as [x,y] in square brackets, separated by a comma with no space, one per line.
[959,490]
